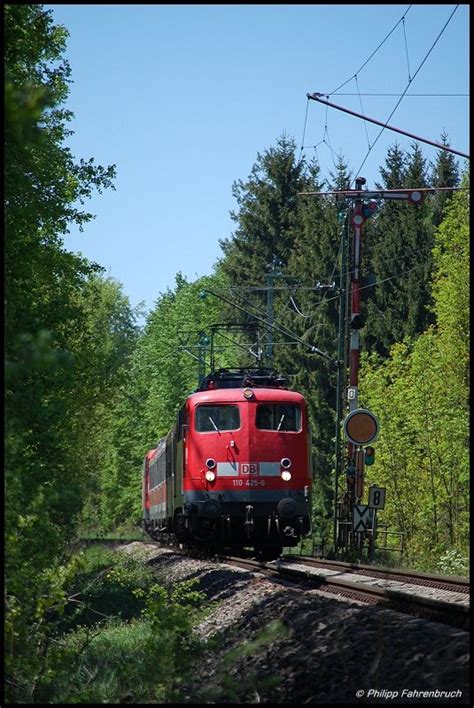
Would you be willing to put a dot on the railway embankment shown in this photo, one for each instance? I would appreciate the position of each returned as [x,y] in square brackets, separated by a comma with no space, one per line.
[269,640]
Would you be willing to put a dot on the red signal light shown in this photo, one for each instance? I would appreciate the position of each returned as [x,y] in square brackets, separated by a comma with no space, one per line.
[369,209]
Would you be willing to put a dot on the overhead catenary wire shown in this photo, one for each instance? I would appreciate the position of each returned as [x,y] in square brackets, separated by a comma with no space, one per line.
[345,225]
[406,49]
[297,340]
[384,280]
[401,96]
[281,329]
[264,314]
[370,285]
[297,308]
[363,269]
[245,347]
[402,19]
[328,142]
[325,299]
[304,129]
[362,109]
[273,325]
[317,287]
[323,141]
[258,288]
[406,89]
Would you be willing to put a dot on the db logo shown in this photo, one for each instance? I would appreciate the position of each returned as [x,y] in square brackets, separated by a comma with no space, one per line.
[248,468]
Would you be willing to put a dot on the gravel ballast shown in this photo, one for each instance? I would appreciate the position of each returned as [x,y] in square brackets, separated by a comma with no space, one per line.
[270,642]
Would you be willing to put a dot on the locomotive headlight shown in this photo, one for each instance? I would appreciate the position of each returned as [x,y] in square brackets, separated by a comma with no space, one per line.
[210,463]
[285,462]
[248,393]
[210,476]
[286,475]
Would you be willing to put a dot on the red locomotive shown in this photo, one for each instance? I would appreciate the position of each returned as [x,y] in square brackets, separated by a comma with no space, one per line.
[235,470]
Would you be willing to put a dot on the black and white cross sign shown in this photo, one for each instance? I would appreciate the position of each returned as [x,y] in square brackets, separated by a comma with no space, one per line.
[361,518]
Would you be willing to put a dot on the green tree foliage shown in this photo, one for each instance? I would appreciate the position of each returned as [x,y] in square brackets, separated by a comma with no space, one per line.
[444,173]
[105,347]
[42,280]
[397,251]
[311,311]
[284,244]
[68,396]
[162,371]
[451,282]
[168,352]
[68,331]
[43,183]
[265,221]
[421,394]
[397,248]
[108,632]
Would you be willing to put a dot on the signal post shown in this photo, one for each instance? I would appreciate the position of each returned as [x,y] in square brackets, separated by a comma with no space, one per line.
[360,425]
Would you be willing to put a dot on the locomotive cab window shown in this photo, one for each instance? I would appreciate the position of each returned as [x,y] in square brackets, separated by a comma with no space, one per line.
[284,417]
[217,418]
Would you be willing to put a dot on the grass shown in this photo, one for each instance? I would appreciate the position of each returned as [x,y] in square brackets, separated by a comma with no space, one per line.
[124,532]
[451,562]
[123,661]
[123,637]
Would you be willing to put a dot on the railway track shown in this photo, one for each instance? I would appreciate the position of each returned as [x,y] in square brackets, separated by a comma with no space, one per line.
[432,601]
[439,598]
[442,582]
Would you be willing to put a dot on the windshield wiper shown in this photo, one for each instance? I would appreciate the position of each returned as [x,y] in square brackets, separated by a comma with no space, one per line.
[213,423]
[281,421]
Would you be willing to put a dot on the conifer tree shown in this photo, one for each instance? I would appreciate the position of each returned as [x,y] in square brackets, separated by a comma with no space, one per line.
[290,242]
[262,242]
[399,255]
[312,313]
[445,173]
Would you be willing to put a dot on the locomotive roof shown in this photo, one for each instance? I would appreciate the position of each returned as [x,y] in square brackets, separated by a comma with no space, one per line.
[236,395]
[250,377]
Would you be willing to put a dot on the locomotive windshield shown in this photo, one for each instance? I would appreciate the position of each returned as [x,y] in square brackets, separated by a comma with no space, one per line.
[278,416]
[218,418]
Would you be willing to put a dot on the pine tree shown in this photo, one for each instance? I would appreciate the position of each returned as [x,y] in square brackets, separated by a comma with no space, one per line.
[445,173]
[262,242]
[290,241]
[399,255]
[312,313]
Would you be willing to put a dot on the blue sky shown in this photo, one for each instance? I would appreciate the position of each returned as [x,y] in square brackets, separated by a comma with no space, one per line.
[182,98]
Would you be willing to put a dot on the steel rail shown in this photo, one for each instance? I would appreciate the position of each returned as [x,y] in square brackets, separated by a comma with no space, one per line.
[437,609]
[414,576]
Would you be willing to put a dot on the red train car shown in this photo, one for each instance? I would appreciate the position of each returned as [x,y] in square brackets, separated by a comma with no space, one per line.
[235,470]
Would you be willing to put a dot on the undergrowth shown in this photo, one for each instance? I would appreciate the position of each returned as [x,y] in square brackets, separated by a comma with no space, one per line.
[115,635]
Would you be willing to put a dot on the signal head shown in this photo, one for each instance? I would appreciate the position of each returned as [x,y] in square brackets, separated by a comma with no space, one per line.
[369,455]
